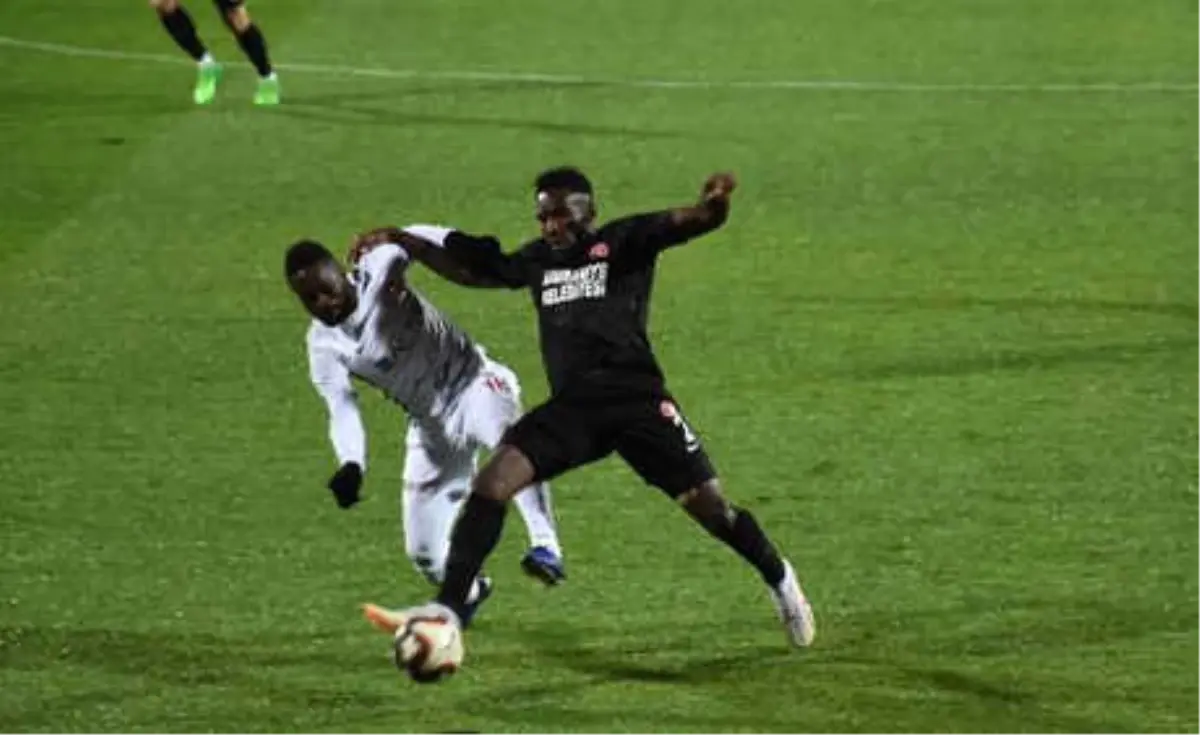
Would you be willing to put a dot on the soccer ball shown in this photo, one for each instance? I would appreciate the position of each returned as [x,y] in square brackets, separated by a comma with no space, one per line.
[428,648]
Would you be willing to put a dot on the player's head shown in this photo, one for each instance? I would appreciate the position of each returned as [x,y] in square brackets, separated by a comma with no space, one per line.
[319,281]
[565,206]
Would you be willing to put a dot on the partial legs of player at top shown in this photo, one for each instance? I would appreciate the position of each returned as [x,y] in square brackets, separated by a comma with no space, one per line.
[180,26]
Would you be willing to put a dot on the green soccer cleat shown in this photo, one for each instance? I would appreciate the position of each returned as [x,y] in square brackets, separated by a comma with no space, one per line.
[267,92]
[207,79]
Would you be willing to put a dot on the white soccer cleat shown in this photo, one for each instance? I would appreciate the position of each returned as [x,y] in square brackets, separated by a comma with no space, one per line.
[794,610]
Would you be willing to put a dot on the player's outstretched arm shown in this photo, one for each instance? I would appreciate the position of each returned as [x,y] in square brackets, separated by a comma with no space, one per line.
[711,211]
[464,259]
[670,227]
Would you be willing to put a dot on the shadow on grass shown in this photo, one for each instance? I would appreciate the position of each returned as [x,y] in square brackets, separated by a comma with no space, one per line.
[97,104]
[143,662]
[988,629]
[899,665]
[873,669]
[920,366]
[399,117]
[394,108]
[952,302]
[1072,351]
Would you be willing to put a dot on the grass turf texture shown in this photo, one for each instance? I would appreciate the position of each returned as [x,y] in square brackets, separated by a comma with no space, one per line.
[945,349]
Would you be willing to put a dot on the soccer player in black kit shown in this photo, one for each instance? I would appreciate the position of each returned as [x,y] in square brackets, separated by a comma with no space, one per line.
[591,287]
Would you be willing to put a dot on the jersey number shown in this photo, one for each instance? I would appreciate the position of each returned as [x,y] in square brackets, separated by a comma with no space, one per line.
[498,385]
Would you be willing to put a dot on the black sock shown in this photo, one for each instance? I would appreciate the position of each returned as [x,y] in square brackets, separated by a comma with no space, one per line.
[179,24]
[252,42]
[746,538]
[475,535]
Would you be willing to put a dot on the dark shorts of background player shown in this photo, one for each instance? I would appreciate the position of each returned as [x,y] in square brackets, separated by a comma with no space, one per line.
[226,5]
[648,431]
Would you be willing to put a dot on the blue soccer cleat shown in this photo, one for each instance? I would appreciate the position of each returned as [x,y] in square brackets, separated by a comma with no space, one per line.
[544,565]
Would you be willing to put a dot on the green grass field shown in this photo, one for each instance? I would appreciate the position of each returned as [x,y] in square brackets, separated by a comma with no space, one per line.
[946,349]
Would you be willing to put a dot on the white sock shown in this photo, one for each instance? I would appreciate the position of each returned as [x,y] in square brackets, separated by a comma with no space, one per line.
[536,510]
[207,59]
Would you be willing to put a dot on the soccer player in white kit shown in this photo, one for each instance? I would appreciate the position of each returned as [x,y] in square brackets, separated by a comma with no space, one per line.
[371,325]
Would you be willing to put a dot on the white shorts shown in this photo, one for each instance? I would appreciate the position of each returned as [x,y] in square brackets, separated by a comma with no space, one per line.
[441,453]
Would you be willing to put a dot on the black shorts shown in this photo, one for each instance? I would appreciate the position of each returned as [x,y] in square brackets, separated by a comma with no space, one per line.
[226,5]
[648,431]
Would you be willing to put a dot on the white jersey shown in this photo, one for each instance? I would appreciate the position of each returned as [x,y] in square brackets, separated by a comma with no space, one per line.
[396,342]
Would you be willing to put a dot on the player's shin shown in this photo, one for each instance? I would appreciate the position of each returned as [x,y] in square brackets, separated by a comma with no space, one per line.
[738,529]
[254,45]
[475,535]
[183,31]
[741,532]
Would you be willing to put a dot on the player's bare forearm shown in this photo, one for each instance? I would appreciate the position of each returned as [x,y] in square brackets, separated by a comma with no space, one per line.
[711,211]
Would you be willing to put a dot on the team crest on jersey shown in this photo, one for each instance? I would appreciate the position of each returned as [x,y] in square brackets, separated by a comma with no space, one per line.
[564,285]
[599,251]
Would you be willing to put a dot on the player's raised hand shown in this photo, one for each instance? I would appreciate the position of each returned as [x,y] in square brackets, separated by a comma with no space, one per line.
[345,484]
[719,186]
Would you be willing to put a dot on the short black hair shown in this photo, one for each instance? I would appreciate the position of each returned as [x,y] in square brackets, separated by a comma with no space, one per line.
[563,177]
[304,254]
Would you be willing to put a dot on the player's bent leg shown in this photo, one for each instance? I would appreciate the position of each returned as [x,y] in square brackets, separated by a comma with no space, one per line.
[549,440]
[506,473]
[429,512]
[437,479]
[739,530]
[429,515]
[734,526]
[661,446]
[478,528]
[488,407]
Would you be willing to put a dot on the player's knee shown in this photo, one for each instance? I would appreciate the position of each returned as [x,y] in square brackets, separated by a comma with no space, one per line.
[504,475]
[238,19]
[492,486]
[708,505]
[165,6]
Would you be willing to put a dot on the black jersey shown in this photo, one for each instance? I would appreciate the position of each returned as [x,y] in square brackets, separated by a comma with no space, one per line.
[593,299]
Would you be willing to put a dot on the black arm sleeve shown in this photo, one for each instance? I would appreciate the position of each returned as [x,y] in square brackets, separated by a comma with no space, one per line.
[483,258]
